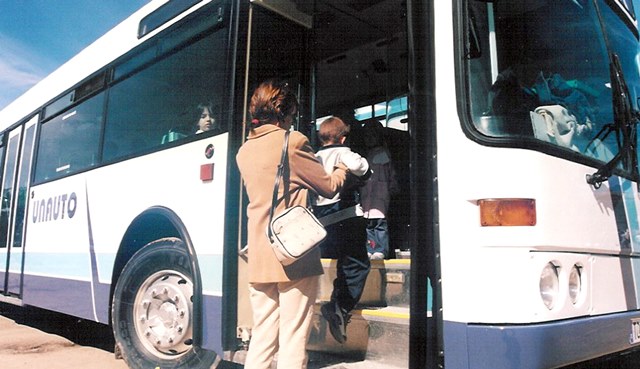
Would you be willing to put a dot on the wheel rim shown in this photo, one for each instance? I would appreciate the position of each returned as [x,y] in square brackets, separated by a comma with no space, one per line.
[162,312]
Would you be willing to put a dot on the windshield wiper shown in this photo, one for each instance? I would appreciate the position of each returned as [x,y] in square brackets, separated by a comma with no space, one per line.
[625,120]
[625,117]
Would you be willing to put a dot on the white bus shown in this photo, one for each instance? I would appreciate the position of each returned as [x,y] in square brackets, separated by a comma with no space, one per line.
[512,129]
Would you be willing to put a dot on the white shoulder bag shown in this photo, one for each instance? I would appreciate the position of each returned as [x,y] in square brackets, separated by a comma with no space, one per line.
[295,231]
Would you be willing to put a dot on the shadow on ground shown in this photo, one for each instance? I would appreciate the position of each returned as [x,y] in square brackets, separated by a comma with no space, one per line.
[79,331]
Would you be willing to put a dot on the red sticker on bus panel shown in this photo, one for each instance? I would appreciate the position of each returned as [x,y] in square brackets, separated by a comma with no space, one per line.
[206,172]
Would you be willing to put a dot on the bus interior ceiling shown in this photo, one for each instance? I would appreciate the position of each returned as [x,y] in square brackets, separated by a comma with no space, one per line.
[360,49]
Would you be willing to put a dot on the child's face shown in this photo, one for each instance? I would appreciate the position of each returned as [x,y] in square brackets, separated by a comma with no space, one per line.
[206,121]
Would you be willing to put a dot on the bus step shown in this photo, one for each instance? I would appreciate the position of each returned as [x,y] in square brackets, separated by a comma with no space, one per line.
[374,335]
[387,283]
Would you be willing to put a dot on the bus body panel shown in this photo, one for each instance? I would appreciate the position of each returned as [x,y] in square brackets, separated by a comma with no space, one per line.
[545,345]
[77,224]
[493,312]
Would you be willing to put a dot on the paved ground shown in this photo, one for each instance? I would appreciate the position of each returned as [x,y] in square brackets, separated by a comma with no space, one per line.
[31,338]
[26,347]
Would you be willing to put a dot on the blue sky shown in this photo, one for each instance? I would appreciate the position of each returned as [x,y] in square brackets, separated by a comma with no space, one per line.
[37,36]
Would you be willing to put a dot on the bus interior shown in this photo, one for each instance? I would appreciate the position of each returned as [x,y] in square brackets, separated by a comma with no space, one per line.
[349,60]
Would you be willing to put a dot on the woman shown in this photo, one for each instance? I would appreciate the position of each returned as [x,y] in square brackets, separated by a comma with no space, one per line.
[281,297]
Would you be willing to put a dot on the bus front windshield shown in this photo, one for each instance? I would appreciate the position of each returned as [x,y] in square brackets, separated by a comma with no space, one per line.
[539,70]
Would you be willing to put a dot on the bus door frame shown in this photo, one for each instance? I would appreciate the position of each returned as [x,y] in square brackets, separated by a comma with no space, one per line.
[425,334]
[14,247]
[247,40]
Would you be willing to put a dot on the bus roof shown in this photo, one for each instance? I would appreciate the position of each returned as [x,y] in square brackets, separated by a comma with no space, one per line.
[97,55]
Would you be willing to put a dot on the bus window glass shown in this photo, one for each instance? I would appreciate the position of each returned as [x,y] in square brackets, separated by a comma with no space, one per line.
[161,103]
[70,141]
[7,188]
[23,182]
[1,156]
[526,82]
[397,114]
[363,113]
[59,105]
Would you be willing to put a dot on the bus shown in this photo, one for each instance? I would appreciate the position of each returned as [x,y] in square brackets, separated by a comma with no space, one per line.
[511,125]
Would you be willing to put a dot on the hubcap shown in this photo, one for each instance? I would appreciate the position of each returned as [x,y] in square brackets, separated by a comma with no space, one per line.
[162,312]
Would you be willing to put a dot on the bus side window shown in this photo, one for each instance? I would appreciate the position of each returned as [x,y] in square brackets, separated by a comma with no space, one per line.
[155,106]
[70,141]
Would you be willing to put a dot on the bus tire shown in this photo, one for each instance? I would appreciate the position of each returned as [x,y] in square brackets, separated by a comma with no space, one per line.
[152,310]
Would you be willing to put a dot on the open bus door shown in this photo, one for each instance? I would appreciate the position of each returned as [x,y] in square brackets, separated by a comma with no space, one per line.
[276,49]
[15,199]
[343,57]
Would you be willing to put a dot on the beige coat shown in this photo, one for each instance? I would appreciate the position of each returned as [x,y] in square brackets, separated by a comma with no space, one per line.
[258,160]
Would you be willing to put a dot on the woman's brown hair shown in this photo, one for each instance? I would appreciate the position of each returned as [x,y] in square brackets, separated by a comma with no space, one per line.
[271,102]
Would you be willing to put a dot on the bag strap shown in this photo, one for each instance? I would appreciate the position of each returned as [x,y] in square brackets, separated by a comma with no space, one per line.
[277,181]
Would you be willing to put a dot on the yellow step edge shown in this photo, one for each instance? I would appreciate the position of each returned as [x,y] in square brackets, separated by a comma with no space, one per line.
[374,262]
[382,313]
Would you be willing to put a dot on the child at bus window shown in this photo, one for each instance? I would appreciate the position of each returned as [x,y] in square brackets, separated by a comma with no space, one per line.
[205,119]
[376,192]
[281,297]
[346,237]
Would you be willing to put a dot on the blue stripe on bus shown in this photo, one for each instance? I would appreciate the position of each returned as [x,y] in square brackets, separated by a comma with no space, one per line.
[212,322]
[78,266]
[71,297]
[631,212]
[56,264]
[635,264]
[95,277]
[626,215]
[620,213]
[633,300]
[67,296]
[535,346]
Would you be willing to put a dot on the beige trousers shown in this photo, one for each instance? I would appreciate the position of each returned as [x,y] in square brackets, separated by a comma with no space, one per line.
[282,315]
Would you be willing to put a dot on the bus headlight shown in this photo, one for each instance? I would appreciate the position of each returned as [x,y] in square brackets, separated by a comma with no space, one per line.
[575,283]
[549,285]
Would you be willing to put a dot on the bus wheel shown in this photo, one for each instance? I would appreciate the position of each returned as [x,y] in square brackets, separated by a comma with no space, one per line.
[152,311]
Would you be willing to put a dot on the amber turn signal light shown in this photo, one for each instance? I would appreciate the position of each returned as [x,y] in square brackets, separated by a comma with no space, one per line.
[507,212]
